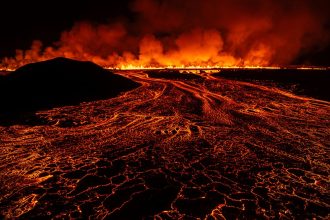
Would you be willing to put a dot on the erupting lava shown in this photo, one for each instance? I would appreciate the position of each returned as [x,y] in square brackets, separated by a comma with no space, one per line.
[216,33]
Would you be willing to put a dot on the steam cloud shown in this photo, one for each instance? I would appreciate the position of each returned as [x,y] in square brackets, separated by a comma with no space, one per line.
[195,32]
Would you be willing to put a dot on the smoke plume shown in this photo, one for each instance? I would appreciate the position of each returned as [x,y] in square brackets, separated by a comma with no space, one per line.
[195,33]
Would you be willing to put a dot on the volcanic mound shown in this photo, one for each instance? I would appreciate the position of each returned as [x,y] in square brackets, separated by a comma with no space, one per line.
[59,82]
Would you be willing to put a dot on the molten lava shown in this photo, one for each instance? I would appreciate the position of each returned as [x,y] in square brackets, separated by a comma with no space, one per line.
[179,146]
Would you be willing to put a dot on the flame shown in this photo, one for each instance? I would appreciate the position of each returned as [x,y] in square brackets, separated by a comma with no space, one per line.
[203,34]
[197,48]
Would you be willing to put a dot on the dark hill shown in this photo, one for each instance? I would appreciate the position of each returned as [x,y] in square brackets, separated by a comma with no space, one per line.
[58,82]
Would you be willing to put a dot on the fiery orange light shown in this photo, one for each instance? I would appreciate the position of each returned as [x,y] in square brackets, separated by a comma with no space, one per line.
[191,68]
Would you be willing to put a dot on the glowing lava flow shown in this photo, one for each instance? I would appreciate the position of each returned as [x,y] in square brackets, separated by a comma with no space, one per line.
[132,67]
[7,69]
[206,68]
[199,148]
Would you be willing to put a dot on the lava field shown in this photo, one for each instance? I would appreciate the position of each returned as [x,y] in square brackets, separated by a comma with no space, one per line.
[178,147]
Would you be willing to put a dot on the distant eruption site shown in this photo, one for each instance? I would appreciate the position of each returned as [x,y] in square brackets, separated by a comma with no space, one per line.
[185,33]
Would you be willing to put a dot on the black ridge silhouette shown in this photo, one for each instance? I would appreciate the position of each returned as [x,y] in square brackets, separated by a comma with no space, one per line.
[58,82]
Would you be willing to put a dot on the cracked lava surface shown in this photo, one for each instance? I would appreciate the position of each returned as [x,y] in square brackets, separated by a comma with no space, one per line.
[197,148]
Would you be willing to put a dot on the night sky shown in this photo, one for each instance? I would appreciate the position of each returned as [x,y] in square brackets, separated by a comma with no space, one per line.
[25,21]
[22,22]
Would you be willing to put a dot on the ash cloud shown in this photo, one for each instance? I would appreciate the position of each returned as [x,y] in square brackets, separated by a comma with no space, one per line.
[198,32]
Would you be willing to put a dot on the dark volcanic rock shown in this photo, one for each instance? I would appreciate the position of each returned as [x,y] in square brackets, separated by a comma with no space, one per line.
[58,82]
[313,83]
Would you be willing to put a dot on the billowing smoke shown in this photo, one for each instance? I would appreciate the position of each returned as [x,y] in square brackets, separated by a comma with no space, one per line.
[195,33]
